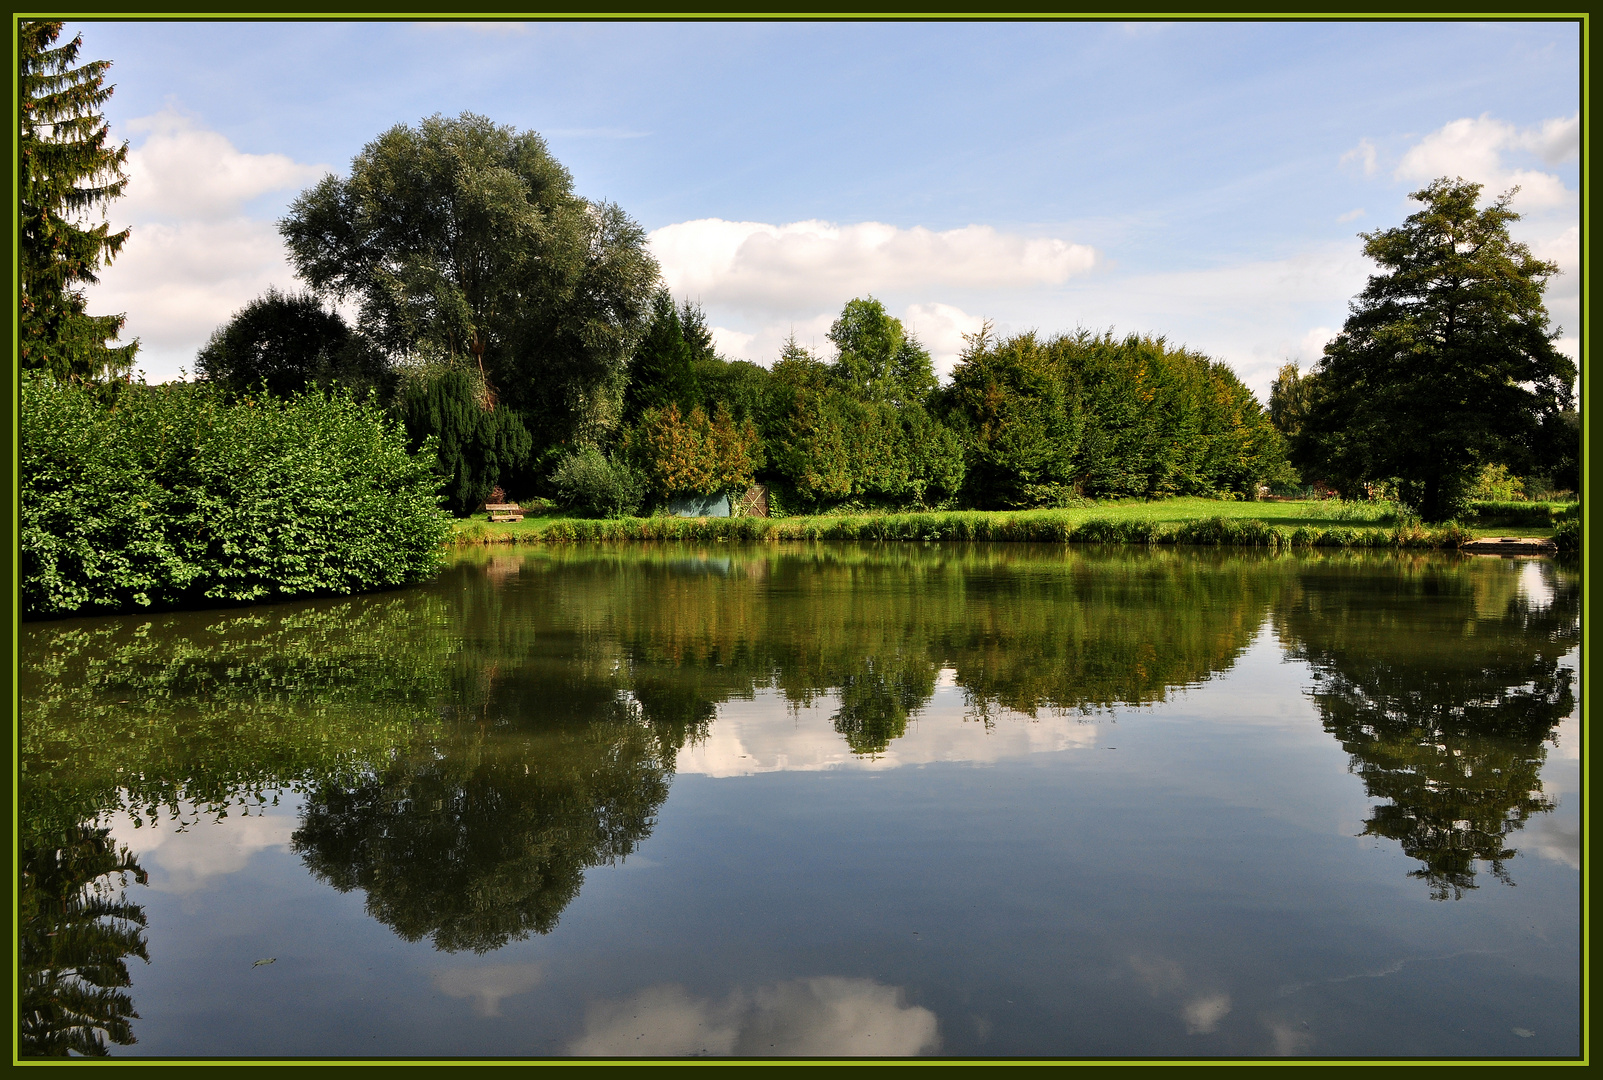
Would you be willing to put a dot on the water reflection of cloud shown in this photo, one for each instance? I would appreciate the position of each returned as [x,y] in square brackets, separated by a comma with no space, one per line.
[486,985]
[1554,839]
[1202,1012]
[767,734]
[185,857]
[819,1017]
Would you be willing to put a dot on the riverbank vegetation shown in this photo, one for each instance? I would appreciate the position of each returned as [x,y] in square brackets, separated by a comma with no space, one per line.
[513,341]
[1275,524]
[136,496]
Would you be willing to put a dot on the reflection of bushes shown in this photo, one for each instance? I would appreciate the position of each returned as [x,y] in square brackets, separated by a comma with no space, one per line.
[1444,686]
[207,707]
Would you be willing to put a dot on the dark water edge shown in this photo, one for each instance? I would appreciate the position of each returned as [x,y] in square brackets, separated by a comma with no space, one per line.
[964,799]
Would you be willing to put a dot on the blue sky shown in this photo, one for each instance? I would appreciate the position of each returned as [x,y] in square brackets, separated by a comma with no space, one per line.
[1204,181]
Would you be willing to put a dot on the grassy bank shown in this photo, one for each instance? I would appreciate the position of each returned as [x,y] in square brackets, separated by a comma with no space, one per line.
[1172,521]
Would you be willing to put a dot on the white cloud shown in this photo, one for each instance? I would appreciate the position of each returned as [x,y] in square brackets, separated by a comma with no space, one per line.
[940,328]
[745,740]
[183,172]
[1351,215]
[488,984]
[1363,156]
[819,1017]
[797,268]
[1474,148]
[1555,141]
[194,256]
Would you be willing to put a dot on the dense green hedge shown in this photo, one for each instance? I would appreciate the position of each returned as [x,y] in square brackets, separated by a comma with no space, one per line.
[1541,515]
[137,496]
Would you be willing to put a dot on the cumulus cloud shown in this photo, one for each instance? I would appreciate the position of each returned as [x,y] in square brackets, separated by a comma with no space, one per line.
[195,254]
[797,268]
[487,985]
[182,171]
[941,329]
[1475,148]
[820,1017]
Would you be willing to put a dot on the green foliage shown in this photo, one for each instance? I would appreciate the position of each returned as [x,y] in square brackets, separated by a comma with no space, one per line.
[477,445]
[66,169]
[662,371]
[462,238]
[1081,415]
[1447,361]
[1447,731]
[594,483]
[695,454]
[288,342]
[1494,483]
[1567,537]
[831,442]
[878,360]
[173,495]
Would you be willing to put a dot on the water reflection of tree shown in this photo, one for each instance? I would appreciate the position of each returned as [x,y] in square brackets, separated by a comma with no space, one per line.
[482,836]
[1444,682]
[1023,628]
[76,931]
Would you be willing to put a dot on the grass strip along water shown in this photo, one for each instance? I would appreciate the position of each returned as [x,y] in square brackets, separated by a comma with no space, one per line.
[1177,521]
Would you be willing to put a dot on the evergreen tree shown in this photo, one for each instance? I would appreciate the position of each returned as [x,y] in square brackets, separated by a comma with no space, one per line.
[662,370]
[1447,361]
[66,169]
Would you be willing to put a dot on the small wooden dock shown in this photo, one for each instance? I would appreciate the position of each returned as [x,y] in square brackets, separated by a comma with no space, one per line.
[1511,545]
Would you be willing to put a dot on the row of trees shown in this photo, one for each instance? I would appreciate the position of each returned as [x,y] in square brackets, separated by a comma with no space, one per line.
[524,329]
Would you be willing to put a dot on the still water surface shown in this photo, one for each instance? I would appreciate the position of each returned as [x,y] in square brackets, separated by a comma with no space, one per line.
[939,799]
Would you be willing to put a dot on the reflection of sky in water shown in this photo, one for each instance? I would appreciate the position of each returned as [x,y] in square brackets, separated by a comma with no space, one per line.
[1181,878]
[186,854]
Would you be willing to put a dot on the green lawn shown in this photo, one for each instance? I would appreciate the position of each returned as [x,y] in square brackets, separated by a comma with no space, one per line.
[1312,514]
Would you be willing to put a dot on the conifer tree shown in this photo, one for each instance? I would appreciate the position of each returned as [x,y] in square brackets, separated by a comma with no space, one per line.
[66,169]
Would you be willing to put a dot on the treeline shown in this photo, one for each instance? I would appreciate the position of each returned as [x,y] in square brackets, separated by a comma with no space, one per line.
[525,329]
[1026,421]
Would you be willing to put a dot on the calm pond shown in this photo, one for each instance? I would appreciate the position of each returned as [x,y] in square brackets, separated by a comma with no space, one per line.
[819,800]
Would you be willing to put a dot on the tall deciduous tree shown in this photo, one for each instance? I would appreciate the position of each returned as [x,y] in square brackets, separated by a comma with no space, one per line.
[67,169]
[879,360]
[1447,361]
[463,238]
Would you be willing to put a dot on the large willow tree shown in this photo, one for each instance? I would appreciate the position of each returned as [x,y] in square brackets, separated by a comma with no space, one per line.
[66,170]
[462,240]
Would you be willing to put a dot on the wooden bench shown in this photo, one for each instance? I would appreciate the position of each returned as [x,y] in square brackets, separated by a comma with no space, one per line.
[504,511]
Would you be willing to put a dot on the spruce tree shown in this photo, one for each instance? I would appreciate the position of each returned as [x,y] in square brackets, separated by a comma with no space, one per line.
[66,169]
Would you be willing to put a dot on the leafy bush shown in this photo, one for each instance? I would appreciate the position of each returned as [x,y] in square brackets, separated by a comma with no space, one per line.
[598,485]
[1568,534]
[156,496]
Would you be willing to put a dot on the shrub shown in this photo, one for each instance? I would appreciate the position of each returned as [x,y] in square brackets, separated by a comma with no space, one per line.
[593,483]
[1568,534]
[158,496]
